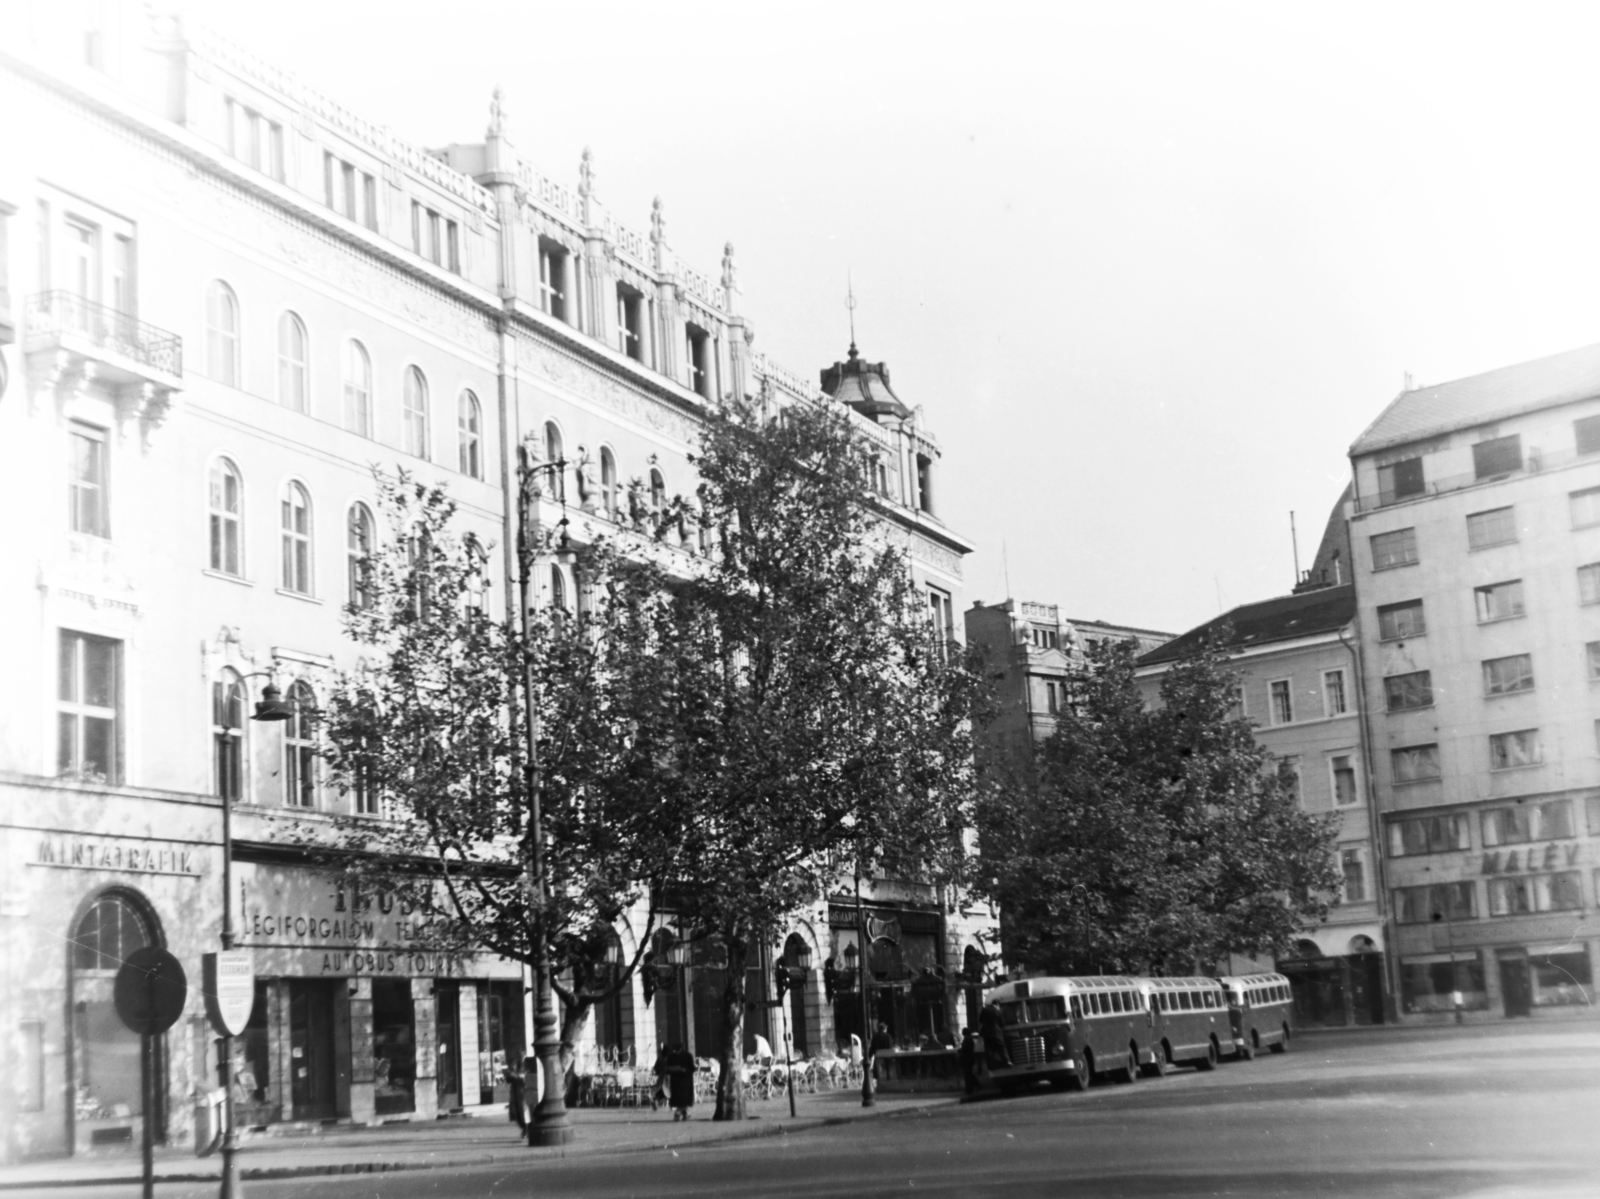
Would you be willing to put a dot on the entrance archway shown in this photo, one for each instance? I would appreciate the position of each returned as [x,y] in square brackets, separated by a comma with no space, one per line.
[105,1095]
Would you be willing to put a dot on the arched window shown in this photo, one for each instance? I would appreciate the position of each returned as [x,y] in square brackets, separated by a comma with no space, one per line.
[226,501]
[552,442]
[357,388]
[222,333]
[299,748]
[358,556]
[469,433]
[296,505]
[294,382]
[415,413]
[110,930]
[658,491]
[558,592]
[608,481]
[227,734]
[419,554]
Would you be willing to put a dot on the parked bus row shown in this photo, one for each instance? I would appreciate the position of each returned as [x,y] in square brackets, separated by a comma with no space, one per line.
[1068,1031]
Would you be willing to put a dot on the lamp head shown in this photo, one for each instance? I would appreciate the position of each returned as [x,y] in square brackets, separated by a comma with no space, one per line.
[272,706]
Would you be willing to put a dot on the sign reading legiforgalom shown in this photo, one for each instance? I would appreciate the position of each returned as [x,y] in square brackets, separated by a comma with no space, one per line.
[230,985]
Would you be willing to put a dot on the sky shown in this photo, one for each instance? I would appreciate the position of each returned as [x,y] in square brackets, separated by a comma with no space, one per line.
[1149,269]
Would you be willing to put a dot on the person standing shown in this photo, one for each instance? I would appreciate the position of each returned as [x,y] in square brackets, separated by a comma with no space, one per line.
[881,1040]
[658,1093]
[992,1028]
[968,1053]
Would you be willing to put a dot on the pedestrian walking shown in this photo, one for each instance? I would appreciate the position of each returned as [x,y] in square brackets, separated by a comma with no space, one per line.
[518,1085]
[658,1093]
[680,1084]
[968,1053]
[992,1029]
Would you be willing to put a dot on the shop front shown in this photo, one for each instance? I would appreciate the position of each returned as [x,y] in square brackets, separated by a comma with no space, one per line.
[908,988]
[1336,977]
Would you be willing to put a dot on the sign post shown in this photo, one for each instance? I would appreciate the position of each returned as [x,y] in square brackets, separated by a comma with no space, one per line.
[149,993]
[230,986]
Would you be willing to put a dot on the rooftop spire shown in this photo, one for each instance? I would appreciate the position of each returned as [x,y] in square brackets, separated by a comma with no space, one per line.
[850,303]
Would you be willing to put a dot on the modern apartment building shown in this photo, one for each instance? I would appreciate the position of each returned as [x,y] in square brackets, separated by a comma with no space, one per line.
[1299,684]
[1475,521]
[224,300]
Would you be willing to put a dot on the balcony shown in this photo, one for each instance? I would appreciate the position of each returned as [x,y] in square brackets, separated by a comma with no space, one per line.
[1535,462]
[75,346]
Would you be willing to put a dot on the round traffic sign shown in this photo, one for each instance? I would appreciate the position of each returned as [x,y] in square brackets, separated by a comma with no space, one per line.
[150,990]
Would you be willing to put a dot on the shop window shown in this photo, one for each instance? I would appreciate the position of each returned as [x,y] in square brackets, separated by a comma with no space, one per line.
[1507,751]
[1498,526]
[1497,456]
[1562,978]
[1429,834]
[394,1046]
[1396,621]
[1521,823]
[1502,676]
[1398,548]
[104,1068]
[1430,983]
[1499,601]
[1523,894]
[1400,480]
[252,1079]
[1403,692]
[89,708]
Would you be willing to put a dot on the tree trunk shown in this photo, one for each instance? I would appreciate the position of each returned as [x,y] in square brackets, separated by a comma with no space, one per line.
[730,1083]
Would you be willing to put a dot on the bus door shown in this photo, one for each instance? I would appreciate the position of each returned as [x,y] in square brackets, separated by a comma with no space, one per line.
[1236,1012]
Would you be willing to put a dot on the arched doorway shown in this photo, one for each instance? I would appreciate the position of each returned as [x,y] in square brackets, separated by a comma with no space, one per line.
[794,952]
[106,1096]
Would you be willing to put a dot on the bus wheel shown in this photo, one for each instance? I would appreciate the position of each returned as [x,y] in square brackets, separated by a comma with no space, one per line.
[1079,1080]
[1130,1066]
[1209,1062]
[1282,1043]
[1158,1061]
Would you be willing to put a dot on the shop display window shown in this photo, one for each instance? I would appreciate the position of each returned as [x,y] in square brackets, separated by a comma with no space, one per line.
[252,1075]
[1561,979]
[394,1046]
[1428,983]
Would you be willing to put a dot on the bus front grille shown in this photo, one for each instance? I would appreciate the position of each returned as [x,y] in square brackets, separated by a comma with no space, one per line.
[1026,1051]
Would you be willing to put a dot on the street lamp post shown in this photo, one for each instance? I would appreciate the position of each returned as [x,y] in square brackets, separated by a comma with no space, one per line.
[551,1123]
[867,1097]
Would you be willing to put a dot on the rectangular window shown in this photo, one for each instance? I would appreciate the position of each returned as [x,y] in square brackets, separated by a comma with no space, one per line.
[1499,456]
[274,148]
[1345,790]
[1561,977]
[351,196]
[1587,434]
[1589,583]
[452,247]
[1510,750]
[1585,507]
[1497,526]
[553,278]
[1400,480]
[1518,825]
[1397,621]
[630,322]
[1355,876]
[1432,982]
[369,205]
[416,228]
[1442,901]
[1592,810]
[1398,548]
[1501,676]
[1406,691]
[1415,763]
[435,240]
[88,493]
[1429,834]
[1521,894]
[330,180]
[1282,702]
[1593,651]
[1289,773]
[942,614]
[89,706]
[1333,697]
[1052,697]
[1499,601]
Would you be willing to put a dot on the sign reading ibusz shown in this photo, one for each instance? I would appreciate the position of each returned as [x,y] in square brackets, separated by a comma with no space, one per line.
[230,984]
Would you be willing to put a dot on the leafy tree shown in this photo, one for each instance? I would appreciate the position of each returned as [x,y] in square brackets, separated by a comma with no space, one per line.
[821,719]
[1150,840]
[427,737]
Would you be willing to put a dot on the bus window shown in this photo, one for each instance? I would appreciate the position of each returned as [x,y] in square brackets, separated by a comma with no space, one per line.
[1184,1002]
[1077,1007]
[1011,1013]
[1116,1001]
[1052,1007]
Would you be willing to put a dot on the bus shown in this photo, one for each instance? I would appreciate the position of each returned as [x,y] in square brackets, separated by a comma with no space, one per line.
[1260,1013]
[1068,1030]
[1191,1023]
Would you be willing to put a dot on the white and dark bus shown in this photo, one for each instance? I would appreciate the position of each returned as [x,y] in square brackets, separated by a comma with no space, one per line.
[1068,1030]
[1191,1025]
[1260,1013]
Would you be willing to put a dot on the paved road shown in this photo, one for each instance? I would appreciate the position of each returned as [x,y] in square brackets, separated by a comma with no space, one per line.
[1492,1113]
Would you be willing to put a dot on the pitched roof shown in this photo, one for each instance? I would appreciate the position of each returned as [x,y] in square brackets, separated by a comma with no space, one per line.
[1282,618]
[1477,399]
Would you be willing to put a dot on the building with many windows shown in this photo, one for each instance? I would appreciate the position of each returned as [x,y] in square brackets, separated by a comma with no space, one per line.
[225,300]
[1475,521]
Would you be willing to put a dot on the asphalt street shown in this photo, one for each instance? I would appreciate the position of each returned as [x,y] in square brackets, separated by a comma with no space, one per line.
[1493,1112]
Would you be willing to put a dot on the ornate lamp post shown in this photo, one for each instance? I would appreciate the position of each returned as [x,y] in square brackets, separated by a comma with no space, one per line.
[551,1123]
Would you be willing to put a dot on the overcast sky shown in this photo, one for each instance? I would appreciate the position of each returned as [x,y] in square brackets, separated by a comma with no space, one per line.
[1148,268]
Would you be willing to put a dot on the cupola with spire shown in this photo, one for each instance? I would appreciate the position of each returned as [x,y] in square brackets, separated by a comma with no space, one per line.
[864,386]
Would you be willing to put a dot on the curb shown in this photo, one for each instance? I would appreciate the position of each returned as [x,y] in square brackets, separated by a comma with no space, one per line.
[753,1131]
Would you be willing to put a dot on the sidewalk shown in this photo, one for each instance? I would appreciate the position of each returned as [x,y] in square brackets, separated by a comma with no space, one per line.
[473,1141]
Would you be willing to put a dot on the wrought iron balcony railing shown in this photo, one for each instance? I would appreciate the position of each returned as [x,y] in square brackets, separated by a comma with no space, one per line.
[65,314]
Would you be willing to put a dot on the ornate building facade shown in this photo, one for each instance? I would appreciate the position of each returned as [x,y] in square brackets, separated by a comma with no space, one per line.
[224,299]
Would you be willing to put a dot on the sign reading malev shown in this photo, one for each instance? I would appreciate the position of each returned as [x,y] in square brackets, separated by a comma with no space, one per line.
[300,923]
[230,986]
